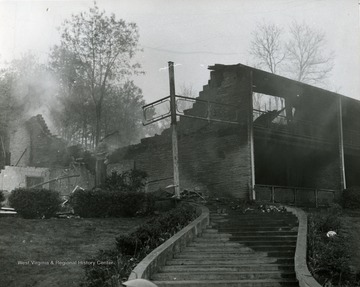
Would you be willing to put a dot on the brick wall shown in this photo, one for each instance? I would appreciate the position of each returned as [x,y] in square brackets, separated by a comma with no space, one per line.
[35,145]
[213,160]
[212,156]
[45,149]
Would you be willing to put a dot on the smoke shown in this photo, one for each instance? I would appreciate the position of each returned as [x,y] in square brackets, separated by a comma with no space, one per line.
[33,87]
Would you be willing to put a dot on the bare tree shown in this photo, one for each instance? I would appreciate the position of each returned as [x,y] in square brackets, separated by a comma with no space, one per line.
[307,58]
[303,57]
[267,47]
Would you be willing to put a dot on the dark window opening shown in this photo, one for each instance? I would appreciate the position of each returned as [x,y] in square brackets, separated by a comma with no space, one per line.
[33,180]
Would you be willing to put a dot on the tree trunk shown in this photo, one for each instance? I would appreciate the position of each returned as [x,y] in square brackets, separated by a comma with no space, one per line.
[98,124]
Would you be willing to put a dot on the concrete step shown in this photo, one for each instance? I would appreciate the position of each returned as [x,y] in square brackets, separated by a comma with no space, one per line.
[245,232]
[249,233]
[216,235]
[266,215]
[255,219]
[252,216]
[219,255]
[228,225]
[247,267]
[268,248]
[211,244]
[260,237]
[230,283]
[254,228]
[246,239]
[241,249]
[232,261]
[219,249]
[235,224]
[269,243]
[175,276]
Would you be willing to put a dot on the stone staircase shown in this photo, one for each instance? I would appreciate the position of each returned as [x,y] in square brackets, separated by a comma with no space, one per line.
[251,249]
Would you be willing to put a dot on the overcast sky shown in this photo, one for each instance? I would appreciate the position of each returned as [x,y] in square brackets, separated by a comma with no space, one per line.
[193,34]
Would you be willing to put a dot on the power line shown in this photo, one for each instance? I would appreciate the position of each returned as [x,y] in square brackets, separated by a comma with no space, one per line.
[191,52]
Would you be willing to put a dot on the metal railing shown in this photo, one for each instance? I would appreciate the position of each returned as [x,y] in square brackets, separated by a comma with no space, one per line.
[297,196]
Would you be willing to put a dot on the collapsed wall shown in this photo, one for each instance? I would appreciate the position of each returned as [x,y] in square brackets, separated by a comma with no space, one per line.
[37,156]
[212,156]
[32,144]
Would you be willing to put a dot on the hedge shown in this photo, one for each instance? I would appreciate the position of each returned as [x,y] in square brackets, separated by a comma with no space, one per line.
[35,203]
[107,203]
[132,248]
[2,197]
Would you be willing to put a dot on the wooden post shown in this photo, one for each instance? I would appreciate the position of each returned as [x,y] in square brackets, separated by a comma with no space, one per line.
[341,147]
[174,130]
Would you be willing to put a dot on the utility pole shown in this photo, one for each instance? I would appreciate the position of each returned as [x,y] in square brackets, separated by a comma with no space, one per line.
[174,141]
[174,113]
[341,147]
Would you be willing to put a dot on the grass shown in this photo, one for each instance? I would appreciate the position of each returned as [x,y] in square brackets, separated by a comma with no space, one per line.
[335,261]
[351,223]
[63,240]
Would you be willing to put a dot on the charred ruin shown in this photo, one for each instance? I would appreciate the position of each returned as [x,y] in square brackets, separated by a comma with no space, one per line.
[303,152]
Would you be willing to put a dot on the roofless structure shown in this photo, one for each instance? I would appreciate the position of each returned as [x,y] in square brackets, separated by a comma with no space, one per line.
[294,143]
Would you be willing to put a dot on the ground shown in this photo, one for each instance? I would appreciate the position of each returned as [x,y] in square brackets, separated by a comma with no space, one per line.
[351,221]
[63,240]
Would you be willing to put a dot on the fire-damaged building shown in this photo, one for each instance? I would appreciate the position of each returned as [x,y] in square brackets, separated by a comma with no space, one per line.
[304,152]
[34,157]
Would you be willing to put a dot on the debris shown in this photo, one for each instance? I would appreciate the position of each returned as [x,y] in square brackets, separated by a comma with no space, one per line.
[331,234]
[248,210]
[271,208]
[191,194]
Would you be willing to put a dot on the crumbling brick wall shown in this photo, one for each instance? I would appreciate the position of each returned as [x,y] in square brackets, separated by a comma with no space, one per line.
[32,144]
[46,150]
[215,156]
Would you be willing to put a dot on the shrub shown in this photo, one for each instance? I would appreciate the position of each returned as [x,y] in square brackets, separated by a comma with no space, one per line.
[128,181]
[35,203]
[2,197]
[132,248]
[155,231]
[108,203]
[351,198]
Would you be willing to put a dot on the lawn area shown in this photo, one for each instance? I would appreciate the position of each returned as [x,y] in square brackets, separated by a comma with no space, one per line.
[351,222]
[54,241]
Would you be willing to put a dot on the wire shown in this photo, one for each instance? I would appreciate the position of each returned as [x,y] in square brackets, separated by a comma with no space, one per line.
[190,52]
